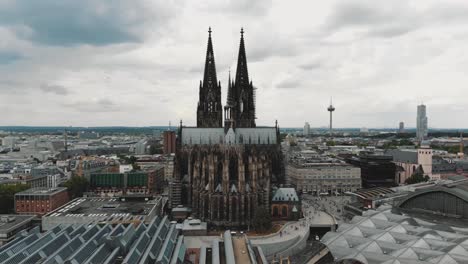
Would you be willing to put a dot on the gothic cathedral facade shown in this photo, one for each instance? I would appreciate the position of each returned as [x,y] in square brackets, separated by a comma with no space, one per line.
[226,171]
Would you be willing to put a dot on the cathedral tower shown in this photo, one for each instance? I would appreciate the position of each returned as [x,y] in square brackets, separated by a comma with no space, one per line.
[209,110]
[240,106]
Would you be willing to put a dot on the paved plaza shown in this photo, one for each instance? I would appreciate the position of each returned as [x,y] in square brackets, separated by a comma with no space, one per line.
[332,205]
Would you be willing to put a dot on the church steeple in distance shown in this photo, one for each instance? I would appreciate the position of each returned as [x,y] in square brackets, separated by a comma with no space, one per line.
[230,93]
[209,110]
[243,91]
[229,109]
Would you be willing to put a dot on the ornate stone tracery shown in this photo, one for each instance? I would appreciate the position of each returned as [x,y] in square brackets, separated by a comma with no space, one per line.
[228,182]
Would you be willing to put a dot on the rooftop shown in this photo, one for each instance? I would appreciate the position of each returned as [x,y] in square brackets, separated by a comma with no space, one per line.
[42,191]
[285,194]
[94,243]
[384,237]
[374,192]
[192,225]
[11,222]
[458,188]
[104,208]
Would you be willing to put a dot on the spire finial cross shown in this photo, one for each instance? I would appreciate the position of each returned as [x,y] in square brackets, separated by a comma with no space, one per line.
[242,31]
[209,30]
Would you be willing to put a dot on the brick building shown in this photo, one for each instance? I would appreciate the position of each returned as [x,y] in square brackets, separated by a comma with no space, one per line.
[169,141]
[40,201]
[286,204]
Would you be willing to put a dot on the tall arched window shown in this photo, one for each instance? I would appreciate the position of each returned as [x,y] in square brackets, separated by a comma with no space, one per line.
[275,211]
[284,211]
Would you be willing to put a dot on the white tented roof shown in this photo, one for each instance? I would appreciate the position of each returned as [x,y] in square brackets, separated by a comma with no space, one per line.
[383,237]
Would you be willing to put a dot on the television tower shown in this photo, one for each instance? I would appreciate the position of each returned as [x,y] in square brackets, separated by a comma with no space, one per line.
[331,109]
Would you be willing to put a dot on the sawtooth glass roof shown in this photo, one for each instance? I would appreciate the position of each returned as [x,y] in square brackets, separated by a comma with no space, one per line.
[155,242]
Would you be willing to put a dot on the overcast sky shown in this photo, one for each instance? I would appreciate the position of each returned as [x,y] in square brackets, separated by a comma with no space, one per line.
[139,62]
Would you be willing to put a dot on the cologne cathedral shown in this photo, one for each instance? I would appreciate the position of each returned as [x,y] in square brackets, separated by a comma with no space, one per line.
[227,171]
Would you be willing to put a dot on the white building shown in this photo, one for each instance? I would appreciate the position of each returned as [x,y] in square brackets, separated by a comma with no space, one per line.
[140,147]
[410,159]
[55,180]
[9,142]
[324,177]
[421,123]
[124,168]
[169,168]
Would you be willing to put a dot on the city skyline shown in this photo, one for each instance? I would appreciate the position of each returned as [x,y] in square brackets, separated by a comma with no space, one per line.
[142,67]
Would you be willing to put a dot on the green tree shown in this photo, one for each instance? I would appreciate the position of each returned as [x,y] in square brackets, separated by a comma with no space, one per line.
[418,176]
[406,142]
[7,196]
[132,159]
[262,220]
[331,143]
[76,186]
[135,167]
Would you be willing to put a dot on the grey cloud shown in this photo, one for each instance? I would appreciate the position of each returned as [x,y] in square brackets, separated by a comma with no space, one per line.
[248,7]
[390,31]
[9,57]
[263,46]
[94,106]
[447,12]
[392,18]
[288,83]
[53,88]
[297,60]
[354,13]
[70,22]
[311,66]
[196,69]
[105,102]
[164,100]
[258,53]
[240,7]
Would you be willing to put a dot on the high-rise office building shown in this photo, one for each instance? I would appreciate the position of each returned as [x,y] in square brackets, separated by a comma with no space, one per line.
[421,123]
[306,129]
[401,128]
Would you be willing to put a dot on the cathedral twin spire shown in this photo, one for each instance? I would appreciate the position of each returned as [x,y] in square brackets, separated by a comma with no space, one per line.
[242,74]
[240,104]
[209,110]
[210,68]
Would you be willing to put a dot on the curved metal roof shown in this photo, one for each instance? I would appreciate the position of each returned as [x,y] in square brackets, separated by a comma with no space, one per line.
[457,188]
